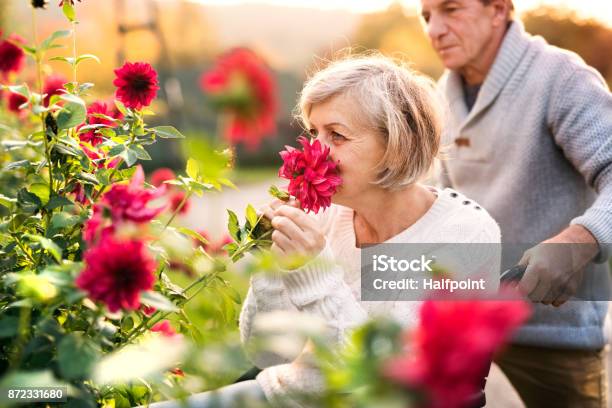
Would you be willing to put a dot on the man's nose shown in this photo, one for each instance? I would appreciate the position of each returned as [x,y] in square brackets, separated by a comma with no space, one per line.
[436,28]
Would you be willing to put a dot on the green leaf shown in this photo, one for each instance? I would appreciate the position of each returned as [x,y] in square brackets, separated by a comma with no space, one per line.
[41,191]
[48,245]
[88,177]
[22,90]
[69,12]
[47,44]
[158,301]
[127,323]
[116,150]
[192,169]
[129,156]
[86,57]
[73,113]
[140,152]
[193,234]
[227,182]
[8,326]
[63,220]
[68,60]
[76,356]
[7,201]
[251,215]
[233,225]
[278,193]
[17,164]
[57,201]
[121,107]
[167,132]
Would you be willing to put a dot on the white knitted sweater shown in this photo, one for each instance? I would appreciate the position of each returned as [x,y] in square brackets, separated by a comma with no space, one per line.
[331,290]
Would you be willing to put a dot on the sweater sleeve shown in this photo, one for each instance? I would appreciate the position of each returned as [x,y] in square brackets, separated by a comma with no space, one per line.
[317,288]
[581,122]
[266,294]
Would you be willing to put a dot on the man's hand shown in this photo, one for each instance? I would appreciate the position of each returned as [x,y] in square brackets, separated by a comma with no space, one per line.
[555,267]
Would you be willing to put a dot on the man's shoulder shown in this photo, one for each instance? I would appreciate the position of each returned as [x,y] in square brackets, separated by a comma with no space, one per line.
[555,59]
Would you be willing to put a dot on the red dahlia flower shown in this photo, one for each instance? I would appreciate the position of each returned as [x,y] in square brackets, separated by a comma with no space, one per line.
[136,84]
[15,100]
[93,136]
[12,57]
[54,85]
[122,203]
[116,272]
[242,86]
[312,175]
[453,346]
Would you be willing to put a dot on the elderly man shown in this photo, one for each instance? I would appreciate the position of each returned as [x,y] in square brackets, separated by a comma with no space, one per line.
[531,133]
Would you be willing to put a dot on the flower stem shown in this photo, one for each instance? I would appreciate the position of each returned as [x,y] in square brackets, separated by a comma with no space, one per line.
[74,53]
[157,316]
[176,212]
[23,331]
[27,254]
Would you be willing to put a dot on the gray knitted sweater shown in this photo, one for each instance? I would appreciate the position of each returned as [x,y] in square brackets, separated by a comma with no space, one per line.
[539,158]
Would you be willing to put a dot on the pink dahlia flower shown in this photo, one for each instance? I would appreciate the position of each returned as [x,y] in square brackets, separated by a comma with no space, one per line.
[93,136]
[136,84]
[116,272]
[122,203]
[312,175]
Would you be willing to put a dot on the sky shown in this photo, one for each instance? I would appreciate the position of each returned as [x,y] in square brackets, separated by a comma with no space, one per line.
[601,9]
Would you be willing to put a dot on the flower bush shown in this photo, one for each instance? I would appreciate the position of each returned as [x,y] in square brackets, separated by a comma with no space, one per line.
[88,299]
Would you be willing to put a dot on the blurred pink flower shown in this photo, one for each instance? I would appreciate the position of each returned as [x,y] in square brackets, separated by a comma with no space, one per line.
[54,85]
[160,175]
[453,346]
[242,86]
[12,57]
[164,328]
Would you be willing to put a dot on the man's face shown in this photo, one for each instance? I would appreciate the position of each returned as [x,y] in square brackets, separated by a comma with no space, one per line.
[459,30]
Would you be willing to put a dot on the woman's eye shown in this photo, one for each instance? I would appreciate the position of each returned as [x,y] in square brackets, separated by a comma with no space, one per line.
[337,136]
[313,132]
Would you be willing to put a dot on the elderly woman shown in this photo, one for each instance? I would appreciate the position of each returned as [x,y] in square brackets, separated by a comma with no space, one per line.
[382,123]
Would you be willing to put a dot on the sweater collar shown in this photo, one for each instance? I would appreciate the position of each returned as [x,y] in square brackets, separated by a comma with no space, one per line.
[512,49]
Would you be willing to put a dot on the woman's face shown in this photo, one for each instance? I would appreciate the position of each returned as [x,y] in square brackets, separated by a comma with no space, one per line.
[356,149]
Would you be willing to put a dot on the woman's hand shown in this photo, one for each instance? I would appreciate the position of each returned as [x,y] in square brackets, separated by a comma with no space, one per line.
[296,237]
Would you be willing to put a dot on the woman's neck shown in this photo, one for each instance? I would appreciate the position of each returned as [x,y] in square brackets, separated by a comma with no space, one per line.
[385,214]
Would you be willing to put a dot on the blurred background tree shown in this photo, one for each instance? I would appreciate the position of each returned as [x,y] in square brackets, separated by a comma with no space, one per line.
[589,38]
[292,40]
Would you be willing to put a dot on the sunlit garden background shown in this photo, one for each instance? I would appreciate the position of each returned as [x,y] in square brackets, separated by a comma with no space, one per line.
[206,92]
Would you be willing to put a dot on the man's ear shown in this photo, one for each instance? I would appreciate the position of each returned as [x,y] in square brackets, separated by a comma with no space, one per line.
[501,12]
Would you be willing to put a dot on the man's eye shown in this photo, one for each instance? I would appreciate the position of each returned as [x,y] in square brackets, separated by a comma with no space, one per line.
[451,9]
[425,17]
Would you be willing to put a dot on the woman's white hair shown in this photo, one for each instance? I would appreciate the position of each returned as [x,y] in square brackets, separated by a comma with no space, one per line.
[397,103]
